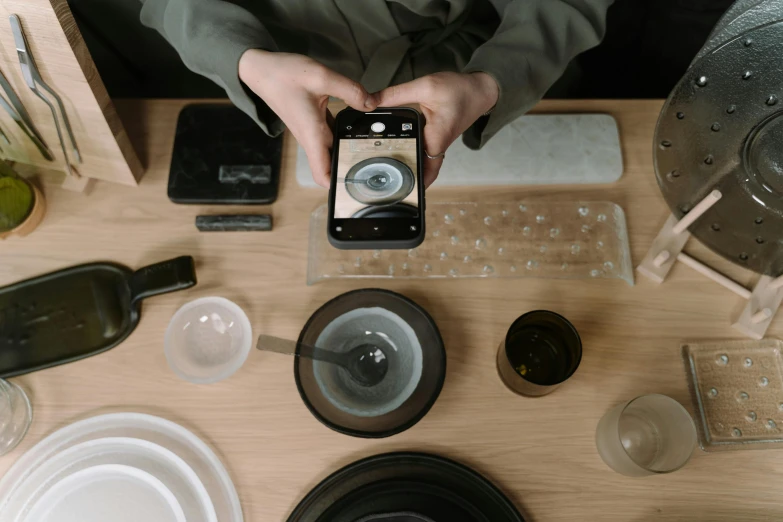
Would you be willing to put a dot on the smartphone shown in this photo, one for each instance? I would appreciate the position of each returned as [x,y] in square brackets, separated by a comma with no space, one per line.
[376,199]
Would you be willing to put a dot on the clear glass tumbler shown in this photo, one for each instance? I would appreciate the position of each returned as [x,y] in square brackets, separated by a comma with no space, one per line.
[649,435]
[16,414]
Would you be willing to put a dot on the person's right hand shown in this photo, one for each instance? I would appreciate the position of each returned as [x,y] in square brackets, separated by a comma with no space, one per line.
[297,89]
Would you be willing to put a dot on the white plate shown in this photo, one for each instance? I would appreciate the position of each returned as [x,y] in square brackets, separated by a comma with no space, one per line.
[167,434]
[107,493]
[146,456]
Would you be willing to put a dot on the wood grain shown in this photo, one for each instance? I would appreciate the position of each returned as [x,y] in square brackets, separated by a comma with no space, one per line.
[66,65]
[540,451]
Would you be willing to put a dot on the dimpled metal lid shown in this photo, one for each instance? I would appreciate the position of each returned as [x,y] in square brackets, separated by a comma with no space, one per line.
[741,17]
[722,128]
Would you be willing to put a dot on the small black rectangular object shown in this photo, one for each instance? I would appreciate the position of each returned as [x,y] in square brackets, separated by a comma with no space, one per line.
[234,223]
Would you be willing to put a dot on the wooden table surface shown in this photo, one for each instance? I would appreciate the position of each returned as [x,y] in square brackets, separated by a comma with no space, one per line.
[540,451]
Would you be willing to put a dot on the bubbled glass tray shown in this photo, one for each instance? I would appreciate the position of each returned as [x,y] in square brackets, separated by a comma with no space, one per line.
[738,389]
[572,240]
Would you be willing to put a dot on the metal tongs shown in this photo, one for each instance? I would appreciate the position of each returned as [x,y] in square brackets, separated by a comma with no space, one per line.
[33,79]
[19,114]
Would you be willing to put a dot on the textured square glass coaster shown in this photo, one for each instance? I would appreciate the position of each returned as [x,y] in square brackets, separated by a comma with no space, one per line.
[571,240]
[738,389]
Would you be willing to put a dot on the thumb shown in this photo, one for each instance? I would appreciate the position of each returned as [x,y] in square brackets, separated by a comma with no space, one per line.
[416,91]
[349,91]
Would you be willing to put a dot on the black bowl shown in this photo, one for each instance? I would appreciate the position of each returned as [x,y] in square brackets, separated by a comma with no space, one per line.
[413,346]
[418,485]
[398,210]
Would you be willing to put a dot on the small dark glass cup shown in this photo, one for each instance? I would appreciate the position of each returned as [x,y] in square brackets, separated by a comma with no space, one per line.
[541,351]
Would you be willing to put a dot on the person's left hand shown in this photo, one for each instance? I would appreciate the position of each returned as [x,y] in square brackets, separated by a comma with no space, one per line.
[450,102]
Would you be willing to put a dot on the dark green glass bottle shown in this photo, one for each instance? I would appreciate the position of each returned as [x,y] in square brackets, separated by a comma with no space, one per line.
[16,198]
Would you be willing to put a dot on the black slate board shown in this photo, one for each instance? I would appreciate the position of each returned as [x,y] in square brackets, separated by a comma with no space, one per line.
[222,157]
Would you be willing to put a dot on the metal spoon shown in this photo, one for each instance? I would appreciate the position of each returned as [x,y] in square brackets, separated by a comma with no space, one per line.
[366,364]
[377,181]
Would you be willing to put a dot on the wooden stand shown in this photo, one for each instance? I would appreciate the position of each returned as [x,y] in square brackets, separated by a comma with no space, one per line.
[763,302]
[65,63]
[76,183]
[762,305]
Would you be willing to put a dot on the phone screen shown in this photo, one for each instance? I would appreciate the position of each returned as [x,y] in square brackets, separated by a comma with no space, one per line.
[375,174]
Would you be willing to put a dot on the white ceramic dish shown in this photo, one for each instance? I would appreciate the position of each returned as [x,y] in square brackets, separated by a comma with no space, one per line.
[199,457]
[146,456]
[110,492]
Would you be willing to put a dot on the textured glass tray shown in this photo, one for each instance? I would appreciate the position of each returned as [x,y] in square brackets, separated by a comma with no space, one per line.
[738,390]
[572,240]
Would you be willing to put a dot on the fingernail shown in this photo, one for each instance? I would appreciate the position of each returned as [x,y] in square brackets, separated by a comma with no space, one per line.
[370,102]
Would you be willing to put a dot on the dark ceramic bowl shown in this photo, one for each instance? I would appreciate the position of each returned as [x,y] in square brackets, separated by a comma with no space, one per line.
[413,347]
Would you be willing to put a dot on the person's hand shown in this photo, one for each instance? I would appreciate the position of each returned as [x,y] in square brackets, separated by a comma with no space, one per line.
[450,102]
[297,89]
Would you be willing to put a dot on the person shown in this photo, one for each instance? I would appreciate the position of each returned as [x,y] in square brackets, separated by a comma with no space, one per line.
[472,66]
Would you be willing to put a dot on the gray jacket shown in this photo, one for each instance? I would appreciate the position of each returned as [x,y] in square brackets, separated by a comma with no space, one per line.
[523,44]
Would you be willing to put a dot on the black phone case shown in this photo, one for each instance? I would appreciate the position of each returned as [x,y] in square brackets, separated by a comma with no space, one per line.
[380,244]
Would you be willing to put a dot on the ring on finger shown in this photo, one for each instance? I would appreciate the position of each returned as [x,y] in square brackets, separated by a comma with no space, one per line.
[436,156]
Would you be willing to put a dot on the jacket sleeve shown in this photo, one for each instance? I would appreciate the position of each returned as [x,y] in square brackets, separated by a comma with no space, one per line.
[529,51]
[210,37]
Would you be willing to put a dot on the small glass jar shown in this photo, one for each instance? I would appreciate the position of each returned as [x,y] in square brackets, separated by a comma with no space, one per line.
[16,414]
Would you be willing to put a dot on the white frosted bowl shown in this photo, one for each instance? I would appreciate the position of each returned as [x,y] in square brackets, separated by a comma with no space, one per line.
[207,340]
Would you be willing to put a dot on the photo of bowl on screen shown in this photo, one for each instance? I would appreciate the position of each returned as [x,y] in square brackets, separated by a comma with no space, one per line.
[399,210]
[379,181]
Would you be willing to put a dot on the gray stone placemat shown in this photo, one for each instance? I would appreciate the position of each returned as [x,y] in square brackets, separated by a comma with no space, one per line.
[536,149]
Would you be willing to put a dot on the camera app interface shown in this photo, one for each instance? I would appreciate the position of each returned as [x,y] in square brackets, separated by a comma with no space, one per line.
[377,168]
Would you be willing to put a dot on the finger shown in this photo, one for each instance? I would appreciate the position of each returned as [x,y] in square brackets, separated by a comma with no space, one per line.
[431,170]
[351,92]
[330,119]
[317,147]
[319,159]
[416,91]
[436,141]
